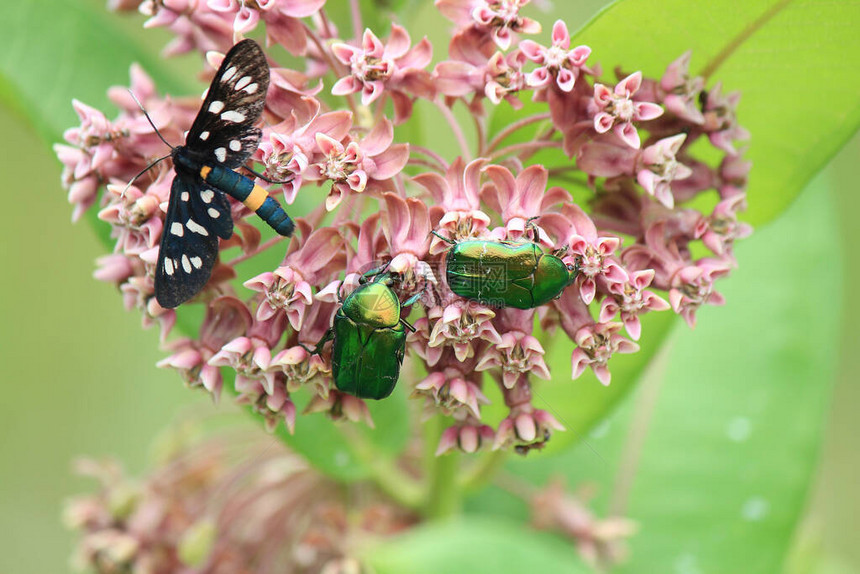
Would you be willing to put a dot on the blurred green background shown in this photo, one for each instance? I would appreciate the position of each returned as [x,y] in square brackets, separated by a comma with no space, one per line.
[80,375]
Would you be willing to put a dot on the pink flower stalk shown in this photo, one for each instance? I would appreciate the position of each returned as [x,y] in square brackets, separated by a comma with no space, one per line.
[617,110]
[393,67]
[397,206]
[500,19]
[557,62]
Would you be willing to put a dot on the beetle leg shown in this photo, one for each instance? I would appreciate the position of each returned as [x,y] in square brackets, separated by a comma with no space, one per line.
[534,228]
[407,324]
[373,272]
[329,335]
[443,238]
[412,299]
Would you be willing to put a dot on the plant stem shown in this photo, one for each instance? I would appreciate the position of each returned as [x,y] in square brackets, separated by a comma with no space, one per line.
[517,125]
[484,470]
[524,147]
[442,495]
[384,472]
[455,127]
[355,11]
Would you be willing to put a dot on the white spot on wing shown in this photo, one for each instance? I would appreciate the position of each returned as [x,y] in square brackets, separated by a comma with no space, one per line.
[216,106]
[177,229]
[168,266]
[233,116]
[197,262]
[206,195]
[196,227]
[244,81]
[221,153]
[186,264]
[204,136]
[235,145]
[184,196]
[213,213]
[251,88]
[228,75]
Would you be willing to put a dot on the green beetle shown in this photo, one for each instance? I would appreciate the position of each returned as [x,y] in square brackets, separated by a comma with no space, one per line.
[506,274]
[368,338]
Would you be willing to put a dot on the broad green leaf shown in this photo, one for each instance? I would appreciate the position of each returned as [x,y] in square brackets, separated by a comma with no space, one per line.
[793,61]
[477,545]
[54,50]
[733,439]
[735,435]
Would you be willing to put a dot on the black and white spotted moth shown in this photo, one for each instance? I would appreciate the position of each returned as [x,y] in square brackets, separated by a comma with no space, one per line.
[221,139]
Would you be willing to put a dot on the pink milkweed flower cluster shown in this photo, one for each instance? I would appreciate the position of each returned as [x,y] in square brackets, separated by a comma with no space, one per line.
[604,172]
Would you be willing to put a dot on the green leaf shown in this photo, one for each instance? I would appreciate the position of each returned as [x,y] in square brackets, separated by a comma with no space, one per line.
[54,50]
[735,436]
[477,546]
[793,61]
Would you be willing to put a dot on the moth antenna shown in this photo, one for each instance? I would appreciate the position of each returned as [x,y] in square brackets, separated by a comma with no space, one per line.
[149,119]
[143,171]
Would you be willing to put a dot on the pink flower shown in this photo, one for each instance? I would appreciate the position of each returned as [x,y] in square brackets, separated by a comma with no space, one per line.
[526,428]
[617,110]
[722,228]
[595,345]
[631,300]
[721,122]
[521,199]
[682,92]
[558,61]
[460,327]
[474,68]
[594,254]
[468,438]
[500,19]
[288,288]
[517,354]
[408,234]
[660,169]
[375,67]
[357,165]
[340,406]
[693,286]
[458,205]
[451,392]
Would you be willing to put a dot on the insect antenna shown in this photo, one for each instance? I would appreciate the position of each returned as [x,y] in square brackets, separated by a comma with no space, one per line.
[143,171]
[149,119]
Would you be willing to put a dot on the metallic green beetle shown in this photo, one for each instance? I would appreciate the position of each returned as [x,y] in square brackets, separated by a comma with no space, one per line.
[506,274]
[368,339]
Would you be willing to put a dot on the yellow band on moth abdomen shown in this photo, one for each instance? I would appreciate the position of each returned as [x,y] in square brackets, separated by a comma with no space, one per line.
[204,171]
[256,198]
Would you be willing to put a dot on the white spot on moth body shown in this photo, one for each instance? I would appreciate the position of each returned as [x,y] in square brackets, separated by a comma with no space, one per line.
[186,264]
[184,196]
[216,106]
[213,213]
[196,262]
[168,266]
[204,136]
[235,145]
[196,227]
[177,229]
[233,116]
[251,88]
[207,195]
[221,154]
